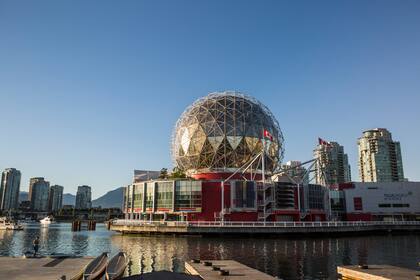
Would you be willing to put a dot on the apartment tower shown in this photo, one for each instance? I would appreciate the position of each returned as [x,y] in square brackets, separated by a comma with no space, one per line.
[9,189]
[332,165]
[379,157]
[83,197]
[55,198]
[39,194]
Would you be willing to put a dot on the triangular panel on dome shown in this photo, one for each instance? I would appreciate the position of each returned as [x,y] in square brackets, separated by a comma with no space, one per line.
[215,141]
[185,140]
[251,143]
[180,151]
[273,149]
[197,141]
[234,141]
[192,128]
[242,152]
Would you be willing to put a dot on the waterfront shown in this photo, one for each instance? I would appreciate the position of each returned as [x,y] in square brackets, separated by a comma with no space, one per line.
[288,258]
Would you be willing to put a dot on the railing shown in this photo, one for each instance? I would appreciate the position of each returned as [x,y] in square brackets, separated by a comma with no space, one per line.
[262,224]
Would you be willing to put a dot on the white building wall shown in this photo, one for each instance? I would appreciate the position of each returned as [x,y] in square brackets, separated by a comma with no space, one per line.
[374,194]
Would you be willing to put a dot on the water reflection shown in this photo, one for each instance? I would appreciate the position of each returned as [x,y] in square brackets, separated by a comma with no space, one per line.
[287,258]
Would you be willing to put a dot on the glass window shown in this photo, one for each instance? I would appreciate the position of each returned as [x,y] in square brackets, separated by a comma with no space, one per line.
[244,194]
[384,205]
[164,195]
[129,196]
[188,196]
[149,196]
[138,196]
[400,205]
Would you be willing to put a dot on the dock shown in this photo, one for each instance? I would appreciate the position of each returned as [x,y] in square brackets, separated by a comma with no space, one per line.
[376,272]
[212,270]
[255,228]
[43,268]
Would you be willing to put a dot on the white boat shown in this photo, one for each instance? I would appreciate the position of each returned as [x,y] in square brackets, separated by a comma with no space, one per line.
[46,221]
[9,225]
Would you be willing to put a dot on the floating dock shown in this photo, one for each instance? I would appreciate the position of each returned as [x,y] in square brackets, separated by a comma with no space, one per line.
[212,270]
[377,272]
[145,227]
[42,268]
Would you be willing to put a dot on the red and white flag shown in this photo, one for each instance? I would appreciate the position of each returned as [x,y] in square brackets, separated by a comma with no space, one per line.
[268,135]
[323,142]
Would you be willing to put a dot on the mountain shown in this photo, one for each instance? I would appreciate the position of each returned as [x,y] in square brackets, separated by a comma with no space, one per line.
[112,199]
[69,199]
[23,196]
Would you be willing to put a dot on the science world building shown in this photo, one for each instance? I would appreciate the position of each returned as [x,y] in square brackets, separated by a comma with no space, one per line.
[227,145]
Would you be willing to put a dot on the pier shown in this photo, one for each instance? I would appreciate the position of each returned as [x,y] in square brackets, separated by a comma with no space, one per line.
[376,272]
[42,268]
[145,227]
[224,269]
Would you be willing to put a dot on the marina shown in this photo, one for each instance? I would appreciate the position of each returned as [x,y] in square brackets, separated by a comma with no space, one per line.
[7,224]
[285,257]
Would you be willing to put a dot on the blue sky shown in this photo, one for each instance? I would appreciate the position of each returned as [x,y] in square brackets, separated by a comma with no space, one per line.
[90,90]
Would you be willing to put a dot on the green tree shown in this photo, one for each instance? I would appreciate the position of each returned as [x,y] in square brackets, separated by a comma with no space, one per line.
[177,173]
[163,173]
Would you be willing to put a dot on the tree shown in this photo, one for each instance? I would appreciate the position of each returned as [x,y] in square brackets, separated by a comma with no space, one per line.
[163,173]
[177,173]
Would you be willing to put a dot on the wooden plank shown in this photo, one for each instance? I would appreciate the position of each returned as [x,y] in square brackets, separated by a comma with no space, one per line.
[376,272]
[236,270]
[41,268]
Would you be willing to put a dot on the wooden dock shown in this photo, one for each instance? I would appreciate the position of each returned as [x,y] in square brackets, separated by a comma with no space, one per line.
[376,272]
[211,270]
[45,268]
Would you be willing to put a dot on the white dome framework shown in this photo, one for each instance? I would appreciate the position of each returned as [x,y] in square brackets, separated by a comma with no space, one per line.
[224,130]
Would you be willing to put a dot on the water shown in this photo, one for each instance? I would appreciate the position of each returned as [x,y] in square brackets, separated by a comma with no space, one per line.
[287,258]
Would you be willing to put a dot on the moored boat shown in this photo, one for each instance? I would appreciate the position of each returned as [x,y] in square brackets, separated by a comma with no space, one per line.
[46,221]
[116,266]
[8,224]
[96,268]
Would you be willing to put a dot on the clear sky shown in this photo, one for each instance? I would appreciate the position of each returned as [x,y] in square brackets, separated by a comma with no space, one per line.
[90,90]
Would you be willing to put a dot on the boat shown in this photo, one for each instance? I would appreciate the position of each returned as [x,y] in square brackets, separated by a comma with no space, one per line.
[8,224]
[116,266]
[46,221]
[96,268]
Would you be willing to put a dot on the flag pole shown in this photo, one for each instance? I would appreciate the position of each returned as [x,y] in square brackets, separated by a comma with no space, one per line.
[263,175]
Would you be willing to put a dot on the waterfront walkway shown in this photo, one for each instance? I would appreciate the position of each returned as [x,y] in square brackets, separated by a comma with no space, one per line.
[137,226]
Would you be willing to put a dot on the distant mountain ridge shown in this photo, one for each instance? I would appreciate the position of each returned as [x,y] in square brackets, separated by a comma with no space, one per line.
[69,199]
[23,196]
[112,199]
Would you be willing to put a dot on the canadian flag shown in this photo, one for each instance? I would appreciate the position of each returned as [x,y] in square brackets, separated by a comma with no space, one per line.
[268,135]
[323,142]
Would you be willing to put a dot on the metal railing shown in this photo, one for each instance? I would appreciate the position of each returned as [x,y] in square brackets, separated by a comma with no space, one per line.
[261,224]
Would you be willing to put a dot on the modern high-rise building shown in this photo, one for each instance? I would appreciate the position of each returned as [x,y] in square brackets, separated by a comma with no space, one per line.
[332,165]
[9,189]
[56,198]
[83,197]
[379,157]
[39,194]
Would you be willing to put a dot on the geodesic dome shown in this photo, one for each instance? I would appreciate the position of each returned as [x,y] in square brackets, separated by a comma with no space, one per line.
[224,130]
